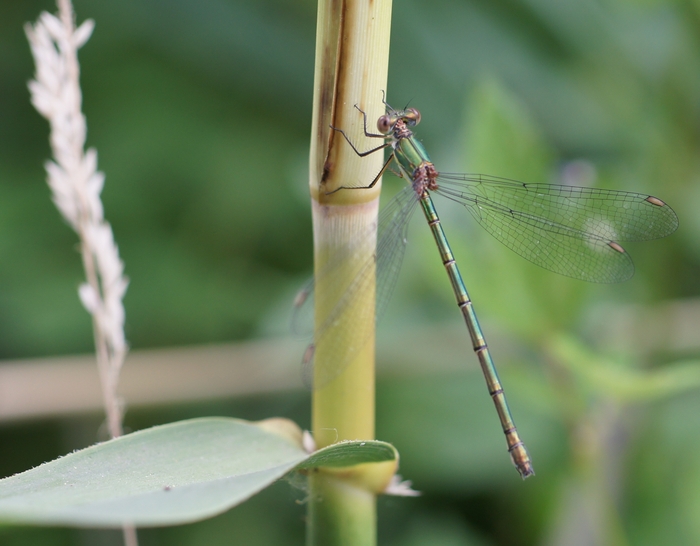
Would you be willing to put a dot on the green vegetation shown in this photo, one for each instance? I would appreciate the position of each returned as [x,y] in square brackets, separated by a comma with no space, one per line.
[201,115]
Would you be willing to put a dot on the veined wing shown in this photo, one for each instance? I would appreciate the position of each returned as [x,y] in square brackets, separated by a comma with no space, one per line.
[385,263]
[569,230]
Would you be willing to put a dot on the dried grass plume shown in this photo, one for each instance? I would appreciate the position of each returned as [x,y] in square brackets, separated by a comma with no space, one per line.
[76,185]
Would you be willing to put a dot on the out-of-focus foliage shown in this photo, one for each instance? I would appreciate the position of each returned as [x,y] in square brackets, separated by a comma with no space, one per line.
[200,112]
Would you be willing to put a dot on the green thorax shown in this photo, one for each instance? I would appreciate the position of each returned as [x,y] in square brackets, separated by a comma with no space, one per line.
[410,153]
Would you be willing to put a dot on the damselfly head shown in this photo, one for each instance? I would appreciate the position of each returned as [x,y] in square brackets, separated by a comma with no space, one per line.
[387,122]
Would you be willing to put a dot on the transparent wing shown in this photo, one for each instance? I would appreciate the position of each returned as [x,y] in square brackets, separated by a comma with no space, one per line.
[569,230]
[391,243]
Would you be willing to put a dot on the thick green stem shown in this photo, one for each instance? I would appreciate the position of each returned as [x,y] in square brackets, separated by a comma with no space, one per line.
[352,54]
[343,408]
[342,514]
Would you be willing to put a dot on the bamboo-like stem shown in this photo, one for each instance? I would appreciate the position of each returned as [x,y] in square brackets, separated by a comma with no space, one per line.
[340,513]
[352,55]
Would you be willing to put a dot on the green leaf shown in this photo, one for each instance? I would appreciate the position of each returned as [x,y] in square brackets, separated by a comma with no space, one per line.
[503,138]
[351,453]
[617,378]
[168,474]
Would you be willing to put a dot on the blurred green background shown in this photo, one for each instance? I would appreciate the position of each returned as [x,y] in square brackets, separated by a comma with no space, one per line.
[200,112]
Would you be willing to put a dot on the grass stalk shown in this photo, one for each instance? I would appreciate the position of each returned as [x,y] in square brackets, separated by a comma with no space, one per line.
[76,185]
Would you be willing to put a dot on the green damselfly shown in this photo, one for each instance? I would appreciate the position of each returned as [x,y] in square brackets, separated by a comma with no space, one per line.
[573,231]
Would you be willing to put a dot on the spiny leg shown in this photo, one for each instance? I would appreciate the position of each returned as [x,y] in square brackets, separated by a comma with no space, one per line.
[358,152]
[364,154]
[364,117]
[367,134]
[376,178]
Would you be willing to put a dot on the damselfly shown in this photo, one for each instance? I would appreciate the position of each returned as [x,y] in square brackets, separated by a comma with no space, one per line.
[573,231]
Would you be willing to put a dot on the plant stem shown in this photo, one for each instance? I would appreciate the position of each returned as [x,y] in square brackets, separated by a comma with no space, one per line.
[352,53]
[341,513]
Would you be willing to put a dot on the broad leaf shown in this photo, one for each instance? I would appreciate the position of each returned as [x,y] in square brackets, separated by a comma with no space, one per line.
[169,474]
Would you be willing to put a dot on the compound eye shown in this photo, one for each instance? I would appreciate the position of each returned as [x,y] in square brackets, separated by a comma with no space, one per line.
[413,116]
[384,124]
